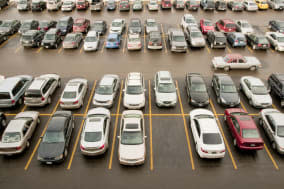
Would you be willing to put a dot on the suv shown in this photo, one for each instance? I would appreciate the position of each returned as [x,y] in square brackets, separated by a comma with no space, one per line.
[165,89]
[177,40]
[53,5]
[28,25]
[276,86]
[226,25]
[65,25]
[134,91]
[40,91]
[12,90]
[166,4]
[38,5]
[82,4]
[81,25]
[96,5]
[225,90]
[216,39]
[276,4]
[52,38]
[207,4]
[32,38]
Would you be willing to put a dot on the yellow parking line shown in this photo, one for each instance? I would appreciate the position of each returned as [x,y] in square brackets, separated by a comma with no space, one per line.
[208,50]
[5,42]
[225,140]
[250,50]
[229,50]
[24,108]
[163,36]
[81,127]
[115,128]
[271,157]
[39,140]
[185,129]
[38,50]
[104,44]
[18,48]
[150,122]
[243,107]
[60,50]
[81,50]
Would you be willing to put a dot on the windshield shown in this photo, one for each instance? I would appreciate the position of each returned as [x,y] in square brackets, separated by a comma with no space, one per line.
[69,94]
[198,87]
[70,38]
[262,40]
[178,38]
[190,20]
[135,24]
[93,136]
[27,37]
[280,131]
[6,24]
[26,25]
[80,2]
[22,2]
[166,88]
[131,138]
[250,133]
[263,2]
[49,37]
[153,3]
[11,137]
[5,96]
[221,39]
[112,39]
[116,24]
[208,23]
[91,39]
[151,24]
[134,89]
[196,34]
[228,88]
[62,23]
[53,137]
[238,4]
[104,90]
[259,90]
[133,39]
[280,39]
[67,3]
[212,138]
[79,24]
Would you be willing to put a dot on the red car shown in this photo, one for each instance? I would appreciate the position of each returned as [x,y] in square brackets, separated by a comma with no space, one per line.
[226,25]
[206,26]
[82,4]
[166,4]
[242,126]
[81,25]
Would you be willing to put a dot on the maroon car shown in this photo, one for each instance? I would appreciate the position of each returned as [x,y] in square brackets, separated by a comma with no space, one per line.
[226,25]
[244,130]
[206,26]
[81,25]
[166,4]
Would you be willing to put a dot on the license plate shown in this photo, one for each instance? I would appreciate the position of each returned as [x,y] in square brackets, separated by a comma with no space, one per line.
[48,162]
[46,47]
[214,152]
[252,145]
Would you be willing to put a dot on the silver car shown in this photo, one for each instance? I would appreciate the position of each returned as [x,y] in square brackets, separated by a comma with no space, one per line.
[276,40]
[12,90]
[92,41]
[153,5]
[72,41]
[177,40]
[74,93]
[194,37]
[17,135]
[272,121]
[151,25]
[41,89]
[165,90]
[106,91]
[68,5]
[95,134]
[117,26]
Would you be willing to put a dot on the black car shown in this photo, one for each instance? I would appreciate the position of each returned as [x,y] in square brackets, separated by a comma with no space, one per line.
[111,5]
[216,39]
[3,37]
[3,3]
[276,25]
[276,86]
[52,38]
[45,25]
[221,5]
[225,90]
[235,6]
[38,5]
[135,26]
[99,26]
[32,38]
[10,27]
[28,25]
[65,25]
[196,90]
[258,41]
[55,142]
[3,121]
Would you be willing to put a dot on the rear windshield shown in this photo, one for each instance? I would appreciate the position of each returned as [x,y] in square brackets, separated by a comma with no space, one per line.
[93,136]
[43,24]
[221,39]
[133,90]
[49,37]
[250,133]
[27,37]
[230,26]
[228,88]
[212,138]
[91,39]
[208,23]
[69,94]
[5,96]
[33,93]
[178,38]
[166,88]
[262,40]
[11,137]
[198,87]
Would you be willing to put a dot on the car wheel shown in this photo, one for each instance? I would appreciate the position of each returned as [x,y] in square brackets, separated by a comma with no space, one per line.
[211,45]
[227,68]
[28,144]
[253,68]
[59,83]
[276,48]
[250,102]
[253,47]
[5,38]
[3,123]
[273,145]
[20,102]
[56,45]
[235,142]
[225,118]
[38,121]
[260,121]
[65,153]
[49,100]
[218,100]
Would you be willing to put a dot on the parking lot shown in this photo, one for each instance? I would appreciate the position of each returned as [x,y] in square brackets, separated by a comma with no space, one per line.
[171,161]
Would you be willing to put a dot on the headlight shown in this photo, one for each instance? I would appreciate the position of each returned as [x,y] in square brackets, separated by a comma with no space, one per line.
[39,158]
[193,101]
[223,100]
[59,157]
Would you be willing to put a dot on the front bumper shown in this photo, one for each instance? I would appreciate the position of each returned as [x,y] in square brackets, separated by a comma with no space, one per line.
[94,153]
[131,163]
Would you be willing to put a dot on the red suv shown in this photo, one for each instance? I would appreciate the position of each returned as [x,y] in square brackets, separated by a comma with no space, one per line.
[226,26]
[82,4]
[81,25]
[206,26]
[166,4]
[242,126]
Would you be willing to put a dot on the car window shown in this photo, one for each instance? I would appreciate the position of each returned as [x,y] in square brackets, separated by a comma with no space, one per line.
[241,60]
[11,137]
[270,122]
[250,133]
[17,88]
[197,126]
[211,138]
[236,124]
[80,88]
[47,86]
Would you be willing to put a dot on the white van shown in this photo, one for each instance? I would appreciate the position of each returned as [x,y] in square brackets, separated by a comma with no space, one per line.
[53,5]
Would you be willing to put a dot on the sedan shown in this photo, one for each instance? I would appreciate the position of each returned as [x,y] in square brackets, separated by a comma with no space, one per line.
[243,129]
[99,26]
[151,25]
[68,5]
[206,134]
[195,37]
[72,40]
[226,25]
[95,134]
[45,25]
[81,25]
[117,26]
[206,26]
[92,41]
[236,61]
[132,139]
[276,25]
[155,40]
[250,5]
[54,144]
[153,5]
[235,6]
[134,42]
[113,41]
[135,26]
[258,41]
[74,93]
[276,40]
[18,133]
[10,27]
[244,27]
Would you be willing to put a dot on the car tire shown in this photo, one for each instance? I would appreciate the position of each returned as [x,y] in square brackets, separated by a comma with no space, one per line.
[3,123]
[253,68]
[273,145]
[260,121]
[28,144]
[56,46]
[49,100]
[65,153]
[59,83]
[38,121]
[218,100]
[20,101]
[227,68]
[211,45]
[253,47]
[235,142]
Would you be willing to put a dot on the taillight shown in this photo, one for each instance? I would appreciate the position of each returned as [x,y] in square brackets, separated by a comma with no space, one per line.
[73,43]
[117,43]
[76,102]
[13,101]
[259,45]
[223,151]
[82,147]
[61,102]
[42,98]
[18,147]
[45,28]
[102,147]
[150,43]
[204,151]
[38,28]
[236,41]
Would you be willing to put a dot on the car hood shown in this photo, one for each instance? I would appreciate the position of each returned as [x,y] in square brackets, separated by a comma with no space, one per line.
[199,97]
[280,141]
[102,98]
[198,40]
[134,99]
[180,44]
[262,99]
[230,97]
[166,96]
[132,151]
[48,41]
[50,150]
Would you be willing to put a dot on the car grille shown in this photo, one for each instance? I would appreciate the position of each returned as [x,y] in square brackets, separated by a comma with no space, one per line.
[133,104]
[49,159]
[167,102]
[101,101]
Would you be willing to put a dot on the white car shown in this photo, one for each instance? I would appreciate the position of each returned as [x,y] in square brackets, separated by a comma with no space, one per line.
[92,41]
[250,5]
[236,61]
[153,5]
[134,42]
[244,27]
[255,91]
[134,91]
[74,93]
[151,25]
[106,91]
[68,5]
[206,134]
[272,121]
[2,78]
[276,40]
[276,4]
[95,134]
[53,5]
[17,135]
[132,145]
[165,90]
[117,26]
[188,20]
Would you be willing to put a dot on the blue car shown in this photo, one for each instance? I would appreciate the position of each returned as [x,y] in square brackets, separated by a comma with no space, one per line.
[237,39]
[113,41]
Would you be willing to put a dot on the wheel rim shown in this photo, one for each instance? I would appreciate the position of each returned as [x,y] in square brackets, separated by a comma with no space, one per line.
[65,153]
[260,122]
[20,101]
[3,122]
[218,100]
[273,145]
[28,144]
[49,100]
[235,142]
[253,68]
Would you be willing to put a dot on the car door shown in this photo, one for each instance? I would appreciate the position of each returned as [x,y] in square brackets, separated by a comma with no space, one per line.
[196,134]
[247,88]
[242,63]
[235,128]
[234,63]
[81,93]
[270,127]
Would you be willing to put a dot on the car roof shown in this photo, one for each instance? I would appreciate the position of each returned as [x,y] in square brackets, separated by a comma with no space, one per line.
[234,55]
[133,36]
[16,125]
[99,21]
[65,18]
[107,80]
[196,78]
[151,20]
[92,33]
[208,125]
[239,34]
[57,123]
[165,77]
[224,78]
[279,76]
[134,122]
[72,86]
[278,118]
[117,20]
[37,83]
[245,121]
[27,21]
[188,16]
[134,78]
[72,34]
[94,124]
[178,32]
[9,83]
[254,80]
